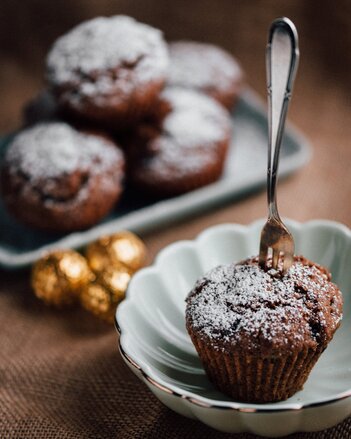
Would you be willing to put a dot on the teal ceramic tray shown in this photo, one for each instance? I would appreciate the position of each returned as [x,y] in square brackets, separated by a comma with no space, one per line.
[245,172]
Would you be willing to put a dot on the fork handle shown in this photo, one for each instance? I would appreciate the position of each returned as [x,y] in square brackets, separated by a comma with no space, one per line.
[282,55]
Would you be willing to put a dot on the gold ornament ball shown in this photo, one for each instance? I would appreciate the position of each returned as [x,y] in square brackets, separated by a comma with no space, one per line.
[102,296]
[58,277]
[122,248]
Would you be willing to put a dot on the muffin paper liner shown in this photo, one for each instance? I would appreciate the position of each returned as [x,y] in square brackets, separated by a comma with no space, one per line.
[248,378]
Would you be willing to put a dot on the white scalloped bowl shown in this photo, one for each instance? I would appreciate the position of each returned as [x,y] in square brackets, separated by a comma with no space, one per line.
[155,344]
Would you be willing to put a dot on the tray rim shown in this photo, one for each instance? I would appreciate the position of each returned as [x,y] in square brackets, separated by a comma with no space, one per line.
[168,211]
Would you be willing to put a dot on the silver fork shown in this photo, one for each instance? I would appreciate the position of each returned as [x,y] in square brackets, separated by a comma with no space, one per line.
[282,57]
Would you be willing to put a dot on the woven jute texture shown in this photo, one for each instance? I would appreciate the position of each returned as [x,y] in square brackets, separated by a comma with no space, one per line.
[61,376]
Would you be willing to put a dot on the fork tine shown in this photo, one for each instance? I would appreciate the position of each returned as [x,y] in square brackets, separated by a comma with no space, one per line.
[275,259]
[263,255]
[288,261]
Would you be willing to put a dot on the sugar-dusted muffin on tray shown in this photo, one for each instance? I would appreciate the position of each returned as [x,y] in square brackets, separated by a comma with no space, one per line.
[206,68]
[183,147]
[108,69]
[57,178]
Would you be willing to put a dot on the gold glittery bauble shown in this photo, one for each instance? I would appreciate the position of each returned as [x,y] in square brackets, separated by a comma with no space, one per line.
[122,248]
[58,277]
[102,296]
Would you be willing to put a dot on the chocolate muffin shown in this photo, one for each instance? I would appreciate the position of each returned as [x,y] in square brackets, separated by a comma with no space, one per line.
[109,69]
[205,68]
[42,108]
[57,178]
[259,333]
[181,149]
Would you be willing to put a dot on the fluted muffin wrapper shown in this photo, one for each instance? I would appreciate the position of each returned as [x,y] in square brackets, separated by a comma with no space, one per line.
[249,378]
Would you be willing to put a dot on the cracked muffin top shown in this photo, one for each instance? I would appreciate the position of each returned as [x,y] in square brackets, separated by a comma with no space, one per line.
[105,55]
[56,177]
[265,312]
[183,148]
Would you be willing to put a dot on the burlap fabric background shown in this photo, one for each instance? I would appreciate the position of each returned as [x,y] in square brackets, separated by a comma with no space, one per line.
[61,375]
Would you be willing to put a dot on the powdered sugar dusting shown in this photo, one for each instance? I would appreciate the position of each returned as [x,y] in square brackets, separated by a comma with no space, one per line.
[195,119]
[202,66]
[240,302]
[193,133]
[85,56]
[50,150]
[178,163]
